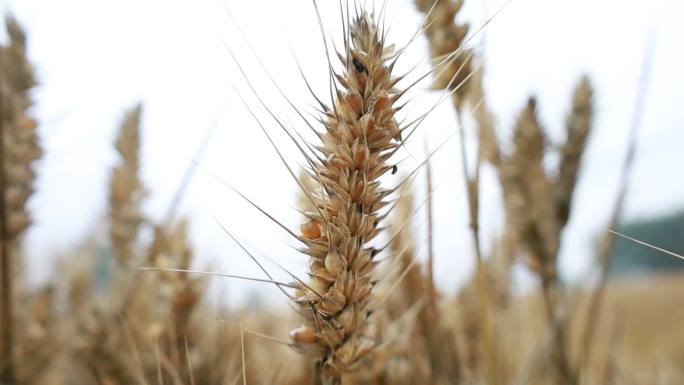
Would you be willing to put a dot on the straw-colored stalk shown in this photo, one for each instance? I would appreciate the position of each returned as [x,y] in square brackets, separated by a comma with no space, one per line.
[604,254]
[19,148]
[361,133]
[501,259]
[447,37]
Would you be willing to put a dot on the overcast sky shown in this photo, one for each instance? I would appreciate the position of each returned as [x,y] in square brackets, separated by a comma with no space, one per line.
[96,58]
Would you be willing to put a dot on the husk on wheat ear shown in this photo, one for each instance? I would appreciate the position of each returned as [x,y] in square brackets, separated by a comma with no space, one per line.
[360,135]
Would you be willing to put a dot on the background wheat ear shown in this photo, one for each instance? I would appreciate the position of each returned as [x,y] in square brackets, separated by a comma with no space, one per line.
[446,38]
[19,148]
[578,127]
[356,144]
[99,346]
[126,191]
[538,204]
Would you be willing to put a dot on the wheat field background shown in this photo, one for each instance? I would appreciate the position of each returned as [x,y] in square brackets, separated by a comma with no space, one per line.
[133,145]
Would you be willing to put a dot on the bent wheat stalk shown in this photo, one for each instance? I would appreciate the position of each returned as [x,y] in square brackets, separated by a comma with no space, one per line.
[361,133]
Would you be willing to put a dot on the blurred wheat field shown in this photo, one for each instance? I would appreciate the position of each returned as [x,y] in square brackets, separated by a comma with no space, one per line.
[132,305]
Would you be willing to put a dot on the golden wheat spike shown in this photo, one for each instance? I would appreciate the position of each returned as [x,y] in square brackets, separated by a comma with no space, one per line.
[19,148]
[125,189]
[578,127]
[447,37]
[360,132]
[532,211]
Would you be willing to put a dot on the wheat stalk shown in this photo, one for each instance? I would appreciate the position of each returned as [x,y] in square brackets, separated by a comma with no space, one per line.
[361,133]
[447,37]
[604,254]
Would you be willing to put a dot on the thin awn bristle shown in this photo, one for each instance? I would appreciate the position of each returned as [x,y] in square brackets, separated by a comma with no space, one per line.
[647,245]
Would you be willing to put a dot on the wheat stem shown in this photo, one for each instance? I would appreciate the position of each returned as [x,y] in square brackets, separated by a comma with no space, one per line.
[605,251]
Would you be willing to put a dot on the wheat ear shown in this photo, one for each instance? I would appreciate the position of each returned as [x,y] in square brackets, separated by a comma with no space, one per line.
[361,133]
[171,249]
[19,148]
[98,349]
[538,205]
[446,38]
[578,127]
[126,189]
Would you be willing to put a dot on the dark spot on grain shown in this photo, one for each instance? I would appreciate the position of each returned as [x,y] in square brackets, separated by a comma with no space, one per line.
[358,65]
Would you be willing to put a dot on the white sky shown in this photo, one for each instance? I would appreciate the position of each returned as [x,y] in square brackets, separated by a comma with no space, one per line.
[96,58]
